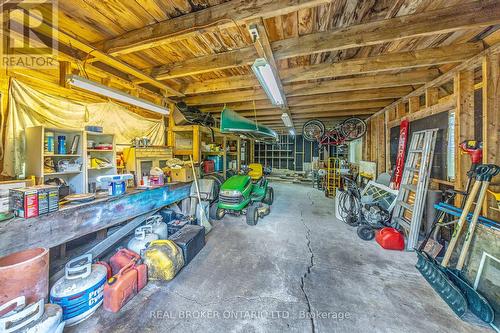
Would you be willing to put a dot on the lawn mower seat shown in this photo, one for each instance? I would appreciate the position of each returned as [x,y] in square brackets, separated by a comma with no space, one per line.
[256,171]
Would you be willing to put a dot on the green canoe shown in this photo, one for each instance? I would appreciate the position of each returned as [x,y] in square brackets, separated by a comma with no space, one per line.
[231,122]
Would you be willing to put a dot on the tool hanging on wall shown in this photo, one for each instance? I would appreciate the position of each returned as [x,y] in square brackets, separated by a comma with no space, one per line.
[414,183]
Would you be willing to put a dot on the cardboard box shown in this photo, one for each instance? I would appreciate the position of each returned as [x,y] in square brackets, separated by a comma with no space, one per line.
[48,198]
[183,175]
[5,186]
[24,202]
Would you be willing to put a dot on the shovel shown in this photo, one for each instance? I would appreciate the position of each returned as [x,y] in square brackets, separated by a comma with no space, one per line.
[450,283]
[201,210]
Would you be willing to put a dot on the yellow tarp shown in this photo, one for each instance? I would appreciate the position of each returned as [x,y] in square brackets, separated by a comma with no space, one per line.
[30,107]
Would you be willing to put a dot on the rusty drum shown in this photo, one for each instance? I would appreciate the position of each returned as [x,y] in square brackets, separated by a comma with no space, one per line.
[24,273]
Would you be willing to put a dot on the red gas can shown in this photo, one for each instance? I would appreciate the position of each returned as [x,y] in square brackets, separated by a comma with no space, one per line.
[390,239]
[208,166]
[120,288]
[122,258]
[109,271]
[142,276]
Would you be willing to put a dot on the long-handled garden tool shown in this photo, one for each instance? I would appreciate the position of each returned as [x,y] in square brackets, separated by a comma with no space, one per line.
[449,283]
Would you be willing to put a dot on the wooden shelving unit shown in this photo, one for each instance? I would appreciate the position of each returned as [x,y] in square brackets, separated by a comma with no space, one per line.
[36,154]
[77,180]
[189,140]
[110,154]
[279,155]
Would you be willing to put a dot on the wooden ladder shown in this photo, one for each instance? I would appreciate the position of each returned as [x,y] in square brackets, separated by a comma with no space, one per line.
[410,202]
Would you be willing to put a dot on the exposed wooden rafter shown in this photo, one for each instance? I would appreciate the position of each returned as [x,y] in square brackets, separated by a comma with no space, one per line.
[358,95]
[75,42]
[383,62]
[358,82]
[210,19]
[473,62]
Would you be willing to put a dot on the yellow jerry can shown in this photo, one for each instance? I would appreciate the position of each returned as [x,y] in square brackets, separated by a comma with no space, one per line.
[164,259]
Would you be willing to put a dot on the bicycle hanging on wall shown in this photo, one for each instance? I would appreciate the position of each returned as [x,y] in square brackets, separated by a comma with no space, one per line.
[350,129]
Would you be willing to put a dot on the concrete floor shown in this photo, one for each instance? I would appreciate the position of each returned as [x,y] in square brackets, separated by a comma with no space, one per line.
[298,270]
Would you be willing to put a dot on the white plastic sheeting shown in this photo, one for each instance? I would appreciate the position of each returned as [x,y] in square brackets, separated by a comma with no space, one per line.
[30,107]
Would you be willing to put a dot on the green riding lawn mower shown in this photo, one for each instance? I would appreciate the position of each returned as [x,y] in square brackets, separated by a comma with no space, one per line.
[248,194]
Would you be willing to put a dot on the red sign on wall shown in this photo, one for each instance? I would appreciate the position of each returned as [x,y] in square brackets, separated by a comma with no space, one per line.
[400,161]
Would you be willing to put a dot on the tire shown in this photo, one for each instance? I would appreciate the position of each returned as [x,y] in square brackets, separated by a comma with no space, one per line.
[365,232]
[252,214]
[213,211]
[269,197]
[313,130]
[220,213]
[353,128]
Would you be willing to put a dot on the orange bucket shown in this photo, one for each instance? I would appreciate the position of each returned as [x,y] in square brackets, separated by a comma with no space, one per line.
[24,273]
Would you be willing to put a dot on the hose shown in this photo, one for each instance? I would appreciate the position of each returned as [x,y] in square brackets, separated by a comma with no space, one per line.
[349,207]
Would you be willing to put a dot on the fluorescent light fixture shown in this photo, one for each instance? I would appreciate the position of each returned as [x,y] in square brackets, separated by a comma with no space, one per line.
[292,131]
[100,89]
[268,81]
[286,120]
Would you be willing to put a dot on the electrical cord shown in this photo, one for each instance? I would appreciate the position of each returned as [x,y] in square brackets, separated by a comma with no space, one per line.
[349,207]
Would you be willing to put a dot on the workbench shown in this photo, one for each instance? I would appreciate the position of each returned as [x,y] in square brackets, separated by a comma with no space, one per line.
[76,220]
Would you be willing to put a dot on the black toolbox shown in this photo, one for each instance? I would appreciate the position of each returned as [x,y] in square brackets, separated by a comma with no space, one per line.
[191,239]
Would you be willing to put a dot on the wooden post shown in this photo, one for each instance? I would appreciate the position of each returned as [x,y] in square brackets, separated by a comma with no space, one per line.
[431,96]
[381,143]
[414,104]
[170,133]
[102,234]
[196,144]
[464,123]
[64,71]
[387,118]
[224,155]
[400,111]
[491,125]
[252,151]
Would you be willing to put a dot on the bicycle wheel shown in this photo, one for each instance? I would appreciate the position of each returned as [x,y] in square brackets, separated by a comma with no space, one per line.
[313,130]
[353,128]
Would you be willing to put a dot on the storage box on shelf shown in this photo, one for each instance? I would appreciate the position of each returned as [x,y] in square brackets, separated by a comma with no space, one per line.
[55,152]
[100,153]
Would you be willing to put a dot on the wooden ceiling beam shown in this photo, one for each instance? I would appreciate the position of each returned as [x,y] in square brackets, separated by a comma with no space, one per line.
[214,18]
[320,115]
[385,62]
[477,14]
[414,77]
[248,107]
[349,96]
[473,62]
[380,63]
[75,42]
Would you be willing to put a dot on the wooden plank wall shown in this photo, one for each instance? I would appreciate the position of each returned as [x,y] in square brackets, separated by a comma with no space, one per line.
[461,101]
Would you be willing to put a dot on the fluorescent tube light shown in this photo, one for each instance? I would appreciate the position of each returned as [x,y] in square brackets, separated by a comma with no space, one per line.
[268,81]
[286,120]
[103,90]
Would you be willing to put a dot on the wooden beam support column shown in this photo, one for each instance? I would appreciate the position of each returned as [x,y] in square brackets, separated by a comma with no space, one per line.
[400,111]
[491,125]
[431,96]
[464,123]
[64,71]
[414,104]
